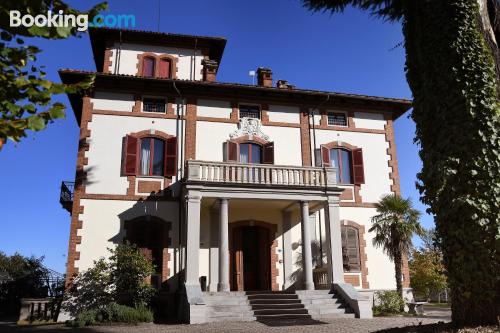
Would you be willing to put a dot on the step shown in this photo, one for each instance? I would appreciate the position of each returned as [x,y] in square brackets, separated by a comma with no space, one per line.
[322,301]
[282,317]
[280,312]
[326,306]
[277,306]
[224,293]
[271,292]
[322,311]
[334,316]
[234,302]
[274,301]
[317,296]
[272,296]
[230,318]
[229,308]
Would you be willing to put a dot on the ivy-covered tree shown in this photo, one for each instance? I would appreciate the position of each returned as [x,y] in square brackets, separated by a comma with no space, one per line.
[452,69]
[25,93]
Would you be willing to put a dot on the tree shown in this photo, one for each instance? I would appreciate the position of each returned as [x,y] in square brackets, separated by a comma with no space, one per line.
[426,267]
[394,226]
[25,93]
[452,69]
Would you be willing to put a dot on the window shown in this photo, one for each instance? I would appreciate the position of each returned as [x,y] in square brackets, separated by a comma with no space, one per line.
[250,153]
[152,154]
[154,105]
[337,119]
[165,68]
[148,66]
[249,111]
[341,159]
[350,248]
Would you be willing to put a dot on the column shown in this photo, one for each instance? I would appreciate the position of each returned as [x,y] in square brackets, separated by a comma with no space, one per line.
[287,249]
[334,241]
[193,288]
[306,246]
[214,248]
[223,247]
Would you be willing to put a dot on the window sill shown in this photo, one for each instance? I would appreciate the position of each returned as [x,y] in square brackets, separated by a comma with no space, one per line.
[150,177]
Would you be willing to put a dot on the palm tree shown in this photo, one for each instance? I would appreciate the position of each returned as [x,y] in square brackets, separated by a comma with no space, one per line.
[394,226]
[452,68]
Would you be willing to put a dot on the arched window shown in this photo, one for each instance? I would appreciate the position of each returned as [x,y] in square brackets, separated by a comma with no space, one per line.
[165,68]
[350,249]
[341,159]
[148,66]
[249,152]
[151,160]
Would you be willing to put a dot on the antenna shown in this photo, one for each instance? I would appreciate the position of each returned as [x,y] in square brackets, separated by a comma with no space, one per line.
[159,16]
[252,74]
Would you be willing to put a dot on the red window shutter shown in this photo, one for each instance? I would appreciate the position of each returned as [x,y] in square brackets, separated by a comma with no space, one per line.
[268,153]
[148,66]
[164,70]
[130,158]
[171,157]
[325,156]
[231,151]
[357,166]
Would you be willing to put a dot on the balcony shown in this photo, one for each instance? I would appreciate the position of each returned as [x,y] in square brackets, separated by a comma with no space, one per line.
[260,175]
[66,195]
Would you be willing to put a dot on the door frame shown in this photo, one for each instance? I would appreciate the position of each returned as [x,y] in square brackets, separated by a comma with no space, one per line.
[273,269]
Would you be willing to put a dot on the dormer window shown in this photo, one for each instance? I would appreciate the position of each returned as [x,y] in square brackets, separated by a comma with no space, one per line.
[165,68]
[249,111]
[148,66]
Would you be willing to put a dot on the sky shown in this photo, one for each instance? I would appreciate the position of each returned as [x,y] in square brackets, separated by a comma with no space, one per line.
[351,52]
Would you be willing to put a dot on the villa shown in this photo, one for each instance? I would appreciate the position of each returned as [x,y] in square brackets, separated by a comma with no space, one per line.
[252,201]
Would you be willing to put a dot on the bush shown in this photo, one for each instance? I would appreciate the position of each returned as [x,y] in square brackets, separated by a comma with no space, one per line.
[113,313]
[389,302]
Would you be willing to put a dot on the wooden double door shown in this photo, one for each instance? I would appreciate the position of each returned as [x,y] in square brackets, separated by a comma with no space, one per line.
[250,258]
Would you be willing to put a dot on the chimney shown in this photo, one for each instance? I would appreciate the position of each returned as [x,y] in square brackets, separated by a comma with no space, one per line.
[264,77]
[283,84]
[210,68]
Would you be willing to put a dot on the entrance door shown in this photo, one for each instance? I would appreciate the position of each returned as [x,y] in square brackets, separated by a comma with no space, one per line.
[251,252]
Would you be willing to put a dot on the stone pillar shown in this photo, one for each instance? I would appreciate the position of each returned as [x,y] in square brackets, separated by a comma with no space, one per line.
[333,241]
[193,288]
[223,247]
[214,249]
[287,249]
[306,246]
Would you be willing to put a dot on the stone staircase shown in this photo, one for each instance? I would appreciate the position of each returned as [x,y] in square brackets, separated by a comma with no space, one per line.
[274,305]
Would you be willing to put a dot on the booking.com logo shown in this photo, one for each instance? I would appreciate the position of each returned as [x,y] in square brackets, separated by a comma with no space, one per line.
[81,22]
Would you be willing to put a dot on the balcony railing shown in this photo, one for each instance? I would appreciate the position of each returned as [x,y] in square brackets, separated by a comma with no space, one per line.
[263,174]
[66,195]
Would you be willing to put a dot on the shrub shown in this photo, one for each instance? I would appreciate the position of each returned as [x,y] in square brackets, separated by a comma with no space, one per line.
[113,313]
[389,302]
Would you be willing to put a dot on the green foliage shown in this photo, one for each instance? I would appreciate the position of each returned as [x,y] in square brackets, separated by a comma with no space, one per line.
[121,279]
[112,313]
[25,93]
[427,272]
[21,277]
[451,72]
[394,226]
[389,302]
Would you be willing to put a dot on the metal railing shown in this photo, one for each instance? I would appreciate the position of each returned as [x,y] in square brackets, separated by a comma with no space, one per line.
[264,174]
[66,195]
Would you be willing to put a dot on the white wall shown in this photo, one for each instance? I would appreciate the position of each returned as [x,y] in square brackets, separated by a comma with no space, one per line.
[129,53]
[369,120]
[284,114]
[102,226]
[105,151]
[375,159]
[113,101]
[214,108]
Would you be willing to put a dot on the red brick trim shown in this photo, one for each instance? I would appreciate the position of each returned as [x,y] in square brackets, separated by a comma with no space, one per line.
[158,57]
[273,229]
[133,179]
[146,186]
[79,191]
[264,114]
[217,120]
[108,54]
[246,138]
[305,137]
[393,160]
[352,279]
[234,113]
[138,103]
[362,252]
[190,144]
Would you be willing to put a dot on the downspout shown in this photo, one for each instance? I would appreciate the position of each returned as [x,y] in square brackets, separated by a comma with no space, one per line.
[118,55]
[194,58]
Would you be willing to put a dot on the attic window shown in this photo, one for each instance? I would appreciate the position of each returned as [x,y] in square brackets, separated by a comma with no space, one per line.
[337,119]
[148,66]
[156,105]
[249,111]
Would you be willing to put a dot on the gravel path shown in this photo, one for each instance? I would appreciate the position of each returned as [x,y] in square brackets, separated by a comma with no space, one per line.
[330,326]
